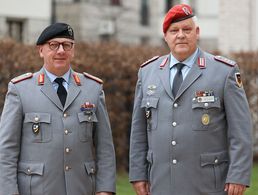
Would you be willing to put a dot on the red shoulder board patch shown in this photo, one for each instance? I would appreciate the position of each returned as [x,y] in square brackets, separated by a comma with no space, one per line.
[22,77]
[41,79]
[77,79]
[201,63]
[225,60]
[149,60]
[93,77]
[163,63]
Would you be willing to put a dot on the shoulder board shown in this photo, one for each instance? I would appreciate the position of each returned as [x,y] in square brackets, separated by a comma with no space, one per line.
[22,77]
[93,77]
[225,60]
[149,61]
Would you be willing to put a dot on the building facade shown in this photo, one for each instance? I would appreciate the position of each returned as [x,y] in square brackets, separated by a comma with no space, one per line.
[224,27]
[23,20]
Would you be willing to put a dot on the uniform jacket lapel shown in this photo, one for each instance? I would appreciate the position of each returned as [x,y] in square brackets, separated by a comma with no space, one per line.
[164,74]
[191,77]
[48,90]
[73,92]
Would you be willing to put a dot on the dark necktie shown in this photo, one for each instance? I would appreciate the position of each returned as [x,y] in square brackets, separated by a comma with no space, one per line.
[178,79]
[61,91]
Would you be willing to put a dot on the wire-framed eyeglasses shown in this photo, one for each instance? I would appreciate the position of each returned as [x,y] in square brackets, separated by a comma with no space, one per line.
[54,45]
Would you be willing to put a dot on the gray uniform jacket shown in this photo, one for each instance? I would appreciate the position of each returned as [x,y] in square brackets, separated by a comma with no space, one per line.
[197,141]
[46,149]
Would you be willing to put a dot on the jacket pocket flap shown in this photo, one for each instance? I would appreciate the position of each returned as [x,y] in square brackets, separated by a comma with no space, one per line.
[214,158]
[149,102]
[90,167]
[31,168]
[206,105]
[87,117]
[37,117]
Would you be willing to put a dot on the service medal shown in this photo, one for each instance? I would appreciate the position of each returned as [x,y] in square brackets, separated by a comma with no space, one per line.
[205,119]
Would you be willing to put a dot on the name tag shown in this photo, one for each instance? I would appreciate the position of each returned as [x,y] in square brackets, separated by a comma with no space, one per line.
[206,99]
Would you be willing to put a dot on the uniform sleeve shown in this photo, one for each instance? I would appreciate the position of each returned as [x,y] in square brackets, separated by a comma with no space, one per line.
[239,131]
[10,132]
[105,154]
[138,140]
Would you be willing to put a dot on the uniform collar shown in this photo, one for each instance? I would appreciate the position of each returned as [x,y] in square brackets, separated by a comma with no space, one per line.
[188,62]
[52,77]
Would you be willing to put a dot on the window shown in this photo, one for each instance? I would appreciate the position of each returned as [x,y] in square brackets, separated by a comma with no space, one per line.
[145,13]
[115,2]
[15,29]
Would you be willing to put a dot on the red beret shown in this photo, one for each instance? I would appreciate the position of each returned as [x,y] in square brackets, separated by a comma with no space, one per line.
[177,13]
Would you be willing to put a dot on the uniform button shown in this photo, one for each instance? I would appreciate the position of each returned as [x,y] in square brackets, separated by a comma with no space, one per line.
[67,168]
[65,115]
[175,105]
[36,119]
[174,161]
[174,124]
[66,132]
[29,171]
[148,103]
[216,161]
[206,104]
[67,150]
[173,143]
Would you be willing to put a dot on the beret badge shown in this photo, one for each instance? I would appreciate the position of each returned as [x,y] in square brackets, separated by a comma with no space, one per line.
[70,30]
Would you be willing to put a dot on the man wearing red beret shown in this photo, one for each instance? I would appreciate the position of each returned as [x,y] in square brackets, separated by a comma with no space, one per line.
[191,125]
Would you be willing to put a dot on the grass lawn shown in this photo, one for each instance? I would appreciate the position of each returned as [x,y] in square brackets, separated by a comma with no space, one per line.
[125,188]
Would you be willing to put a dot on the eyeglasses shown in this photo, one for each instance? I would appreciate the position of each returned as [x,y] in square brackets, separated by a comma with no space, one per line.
[54,45]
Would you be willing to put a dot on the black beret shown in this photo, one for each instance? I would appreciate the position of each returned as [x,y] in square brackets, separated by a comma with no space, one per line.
[56,30]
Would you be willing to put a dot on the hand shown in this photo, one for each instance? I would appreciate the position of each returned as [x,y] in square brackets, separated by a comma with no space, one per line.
[104,193]
[141,187]
[235,189]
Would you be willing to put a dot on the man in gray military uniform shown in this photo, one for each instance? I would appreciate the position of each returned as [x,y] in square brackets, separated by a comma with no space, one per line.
[191,125]
[55,136]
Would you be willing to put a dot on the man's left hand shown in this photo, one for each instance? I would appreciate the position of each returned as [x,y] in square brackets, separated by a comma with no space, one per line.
[235,189]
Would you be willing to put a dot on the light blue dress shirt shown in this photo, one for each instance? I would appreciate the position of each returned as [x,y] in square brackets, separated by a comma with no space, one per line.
[52,78]
[188,62]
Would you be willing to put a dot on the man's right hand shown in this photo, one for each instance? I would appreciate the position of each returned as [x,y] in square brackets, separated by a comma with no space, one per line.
[141,187]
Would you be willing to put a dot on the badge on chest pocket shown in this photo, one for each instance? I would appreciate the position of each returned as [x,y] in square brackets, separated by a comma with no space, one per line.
[150,105]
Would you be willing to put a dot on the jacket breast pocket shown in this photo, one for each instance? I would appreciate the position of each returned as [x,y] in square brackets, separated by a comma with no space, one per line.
[150,106]
[204,113]
[214,170]
[86,125]
[36,127]
[30,178]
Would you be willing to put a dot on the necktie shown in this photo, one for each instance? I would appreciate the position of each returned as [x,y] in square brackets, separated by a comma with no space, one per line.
[61,91]
[178,79]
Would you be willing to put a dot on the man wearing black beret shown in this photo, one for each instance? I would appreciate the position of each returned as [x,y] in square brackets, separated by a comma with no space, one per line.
[55,132]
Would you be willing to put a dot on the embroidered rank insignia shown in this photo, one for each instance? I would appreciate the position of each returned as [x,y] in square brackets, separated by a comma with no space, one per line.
[202,63]
[163,63]
[225,60]
[149,61]
[22,77]
[77,79]
[93,77]
[238,80]
[41,79]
